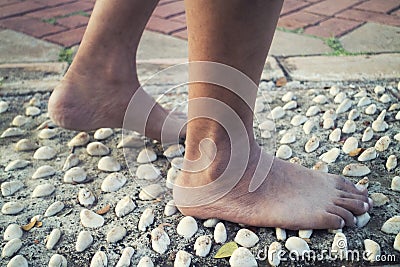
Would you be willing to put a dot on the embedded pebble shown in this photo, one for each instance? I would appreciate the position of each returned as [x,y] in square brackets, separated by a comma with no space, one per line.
[339,246]
[113,182]
[312,111]
[174,151]
[147,155]
[246,238]
[274,252]
[32,111]
[379,199]
[116,234]
[47,133]
[266,134]
[172,174]
[53,238]
[259,106]
[83,241]
[18,261]
[395,185]
[44,153]
[145,262]
[280,234]
[312,144]
[90,219]
[397,117]
[367,135]
[25,145]
[177,163]
[220,235]
[295,160]
[12,231]
[368,154]
[321,167]
[396,243]
[151,192]
[328,123]
[75,175]
[290,105]
[267,125]
[182,259]
[124,206]
[334,136]
[383,143]
[339,97]
[288,96]
[381,116]
[394,106]
[397,137]
[356,169]
[202,246]
[71,161]
[11,208]
[16,164]
[349,127]
[159,240]
[97,149]
[85,197]
[392,225]
[54,208]
[99,260]
[12,132]
[11,247]
[108,164]
[148,172]
[46,124]
[297,245]
[3,106]
[242,257]
[353,114]
[43,172]
[210,223]
[146,219]
[371,109]
[103,133]
[80,139]
[276,113]
[288,138]
[170,208]
[58,260]
[372,249]
[309,126]
[298,120]
[379,125]
[362,184]
[329,114]
[187,227]
[391,162]
[350,144]
[284,152]
[385,98]
[20,120]
[305,234]
[9,188]
[320,99]
[331,155]
[379,89]
[344,106]
[125,259]
[130,142]
[362,219]
[43,190]
[364,101]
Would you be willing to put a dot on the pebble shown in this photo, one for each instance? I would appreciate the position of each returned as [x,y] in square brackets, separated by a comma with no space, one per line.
[290,105]
[379,90]
[298,120]
[97,149]
[395,185]
[312,144]
[151,192]
[353,114]
[90,219]
[259,106]
[46,124]
[159,240]
[54,208]
[362,219]
[284,152]
[312,111]
[43,172]
[20,120]
[397,117]
[334,136]
[344,106]
[396,243]
[372,249]
[116,234]
[18,261]
[53,238]
[16,164]
[11,247]
[43,190]
[267,125]
[288,96]
[187,227]
[276,113]
[75,175]
[147,155]
[83,241]
[391,162]
[371,109]
[25,145]
[32,111]
[349,127]
[80,139]
[58,260]
[246,238]
[350,144]
[113,182]
[339,246]
[395,106]
[328,123]
[148,172]
[3,106]
[145,262]
[202,246]
[44,153]
[295,160]
[85,197]
[367,135]
[305,234]
[130,142]
[385,98]
[364,101]
[170,208]
[71,161]
[47,133]
[340,97]
[146,219]
[125,259]
[329,114]
[12,132]
[12,231]
[109,164]
[397,137]
[12,208]
[182,259]
[99,259]
[280,234]
[392,225]
[124,206]
[103,133]
[309,126]
[288,138]
[173,151]
[331,155]
[383,143]
[379,125]
[356,170]
[220,235]
[379,199]
[274,252]
[297,245]
[320,99]
[362,184]
[210,223]
[9,188]
[242,257]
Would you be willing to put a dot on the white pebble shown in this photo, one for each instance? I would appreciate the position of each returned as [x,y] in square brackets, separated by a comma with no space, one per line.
[97,149]
[349,127]
[329,114]
[12,132]
[147,155]
[367,135]
[392,225]
[379,199]
[220,235]
[9,188]
[396,243]
[90,219]
[320,99]
[297,245]
[83,241]
[47,133]
[174,151]
[124,206]
[170,208]
[344,106]
[16,164]
[312,111]
[116,234]
[177,163]
[395,185]
[53,238]
[309,126]
[130,142]
[103,133]
[20,120]
[3,106]
[379,126]
[12,231]
[148,172]
[339,246]
[43,190]
[25,145]
[288,138]
[276,113]
[280,234]
[362,184]
[109,164]
[364,101]
[86,197]
[371,109]
[58,260]
[391,162]
[328,123]
[71,161]
[305,234]
[202,246]
[334,136]
[99,260]
[159,240]
[383,143]
[125,259]
[11,208]
[146,219]
[54,208]
[75,175]
[339,97]
[80,139]
[246,238]
[210,223]
[113,182]
[298,120]
[32,111]
[372,249]
[288,97]
[385,98]
[290,105]
[187,227]
[274,253]
[145,262]
[368,154]
[379,89]
[362,219]
[284,152]
[43,172]
[44,153]
[356,169]
[18,261]
[182,259]
[151,192]
[312,144]
[11,247]
[397,137]
[321,167]
[267,125]
[242,257]
[331,155]
[353,114]
[350,144]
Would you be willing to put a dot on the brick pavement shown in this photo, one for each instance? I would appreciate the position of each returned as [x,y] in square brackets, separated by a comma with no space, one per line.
[64,21]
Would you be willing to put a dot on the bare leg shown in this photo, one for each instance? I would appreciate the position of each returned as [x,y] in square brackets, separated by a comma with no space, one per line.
[239,34]
[98,86]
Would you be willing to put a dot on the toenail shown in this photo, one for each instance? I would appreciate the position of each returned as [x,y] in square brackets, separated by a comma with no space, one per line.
[370,202]
[355,220]
[366,206]
[342,224]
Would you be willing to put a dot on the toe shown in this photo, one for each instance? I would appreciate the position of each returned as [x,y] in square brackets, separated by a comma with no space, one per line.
[355,206]
[329,220]
[345,214]
[347,186]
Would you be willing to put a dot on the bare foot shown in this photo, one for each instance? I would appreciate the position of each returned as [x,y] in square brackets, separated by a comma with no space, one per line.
[96,92]
[290,197]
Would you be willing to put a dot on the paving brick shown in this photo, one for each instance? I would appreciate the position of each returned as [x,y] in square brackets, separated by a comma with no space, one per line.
[299,20]
[328,8]
[30,26]
[383,6]
[53,3]
[73,21]
[62,10]
[183,34]
[170,9]
[293,5]
[360,15]
[19,8]
[67,38]
[333,27]
[164,25]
